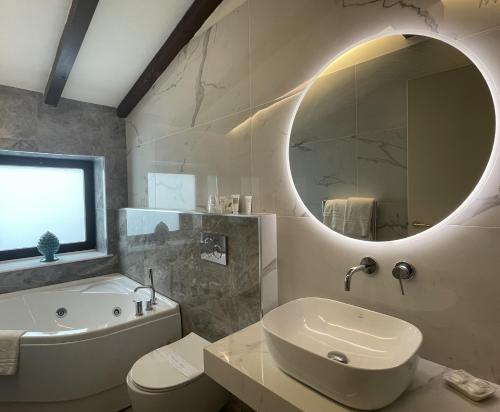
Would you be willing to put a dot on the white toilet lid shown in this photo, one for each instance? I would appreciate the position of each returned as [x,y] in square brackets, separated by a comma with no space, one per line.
[170,366]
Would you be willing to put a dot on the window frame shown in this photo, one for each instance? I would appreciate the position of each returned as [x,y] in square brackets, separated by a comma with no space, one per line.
[89,193]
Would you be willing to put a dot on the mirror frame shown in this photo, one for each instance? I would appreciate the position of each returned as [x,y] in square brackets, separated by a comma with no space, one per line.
[473,195]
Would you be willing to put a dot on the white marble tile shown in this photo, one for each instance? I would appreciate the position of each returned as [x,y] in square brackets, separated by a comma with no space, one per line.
[328,110]
[291,40]
[140,159]
[392,220]
[242,364]
[271,184]
[484,210]
[216,156]
[323,170]
[462,18]
[201,84]
[381,165]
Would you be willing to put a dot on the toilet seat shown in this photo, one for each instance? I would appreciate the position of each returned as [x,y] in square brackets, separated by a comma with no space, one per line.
[171,366]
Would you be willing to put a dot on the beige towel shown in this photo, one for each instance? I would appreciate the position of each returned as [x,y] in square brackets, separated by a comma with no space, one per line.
[358,217]
[9,351]
[334,214]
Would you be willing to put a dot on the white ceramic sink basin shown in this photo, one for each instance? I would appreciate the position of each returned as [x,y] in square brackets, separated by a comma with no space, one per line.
[380,351]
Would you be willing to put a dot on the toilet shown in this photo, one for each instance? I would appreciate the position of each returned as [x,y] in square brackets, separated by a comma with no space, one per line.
[172,379]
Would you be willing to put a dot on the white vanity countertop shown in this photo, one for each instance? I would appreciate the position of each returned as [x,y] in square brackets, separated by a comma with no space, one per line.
[242,364]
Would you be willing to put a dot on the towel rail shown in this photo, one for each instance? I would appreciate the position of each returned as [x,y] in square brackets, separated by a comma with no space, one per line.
[374,216]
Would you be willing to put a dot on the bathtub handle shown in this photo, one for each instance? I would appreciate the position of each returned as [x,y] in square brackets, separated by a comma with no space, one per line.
[138,307]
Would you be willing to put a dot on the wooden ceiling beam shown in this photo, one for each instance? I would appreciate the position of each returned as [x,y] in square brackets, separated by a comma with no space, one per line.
[190,23]
[79,17]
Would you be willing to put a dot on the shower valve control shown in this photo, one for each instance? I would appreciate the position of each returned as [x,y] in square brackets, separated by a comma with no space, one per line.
[403,271]
[213,247]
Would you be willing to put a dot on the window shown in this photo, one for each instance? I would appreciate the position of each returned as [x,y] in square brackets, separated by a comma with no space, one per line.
[39,194]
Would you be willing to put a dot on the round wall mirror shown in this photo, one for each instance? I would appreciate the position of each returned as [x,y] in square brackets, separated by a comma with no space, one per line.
[391,137]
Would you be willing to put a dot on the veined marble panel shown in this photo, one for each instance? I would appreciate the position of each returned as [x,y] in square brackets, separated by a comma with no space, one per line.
[140,159]
[323,170]
[243,364]
[328,110]
[216,156]
[271,185]
[200,85]
[381,165]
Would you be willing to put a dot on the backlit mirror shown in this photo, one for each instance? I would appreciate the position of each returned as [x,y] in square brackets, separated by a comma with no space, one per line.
[391,137]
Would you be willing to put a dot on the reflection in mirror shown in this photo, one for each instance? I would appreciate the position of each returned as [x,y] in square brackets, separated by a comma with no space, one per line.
[391,137]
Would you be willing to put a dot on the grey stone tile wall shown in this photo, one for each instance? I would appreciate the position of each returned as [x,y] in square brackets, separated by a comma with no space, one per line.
[215,300]
[75,128]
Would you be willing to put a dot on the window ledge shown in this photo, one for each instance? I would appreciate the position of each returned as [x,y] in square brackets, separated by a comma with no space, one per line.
[34,262]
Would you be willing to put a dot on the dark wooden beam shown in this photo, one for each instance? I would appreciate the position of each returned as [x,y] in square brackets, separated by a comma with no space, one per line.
[190,23]
[78,21]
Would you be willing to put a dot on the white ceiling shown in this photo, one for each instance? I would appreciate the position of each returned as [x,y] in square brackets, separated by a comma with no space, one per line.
[122,38]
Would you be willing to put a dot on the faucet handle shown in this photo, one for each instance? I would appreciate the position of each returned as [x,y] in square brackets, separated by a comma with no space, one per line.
[149,305]
[138,307]
[403,271]
[370,266]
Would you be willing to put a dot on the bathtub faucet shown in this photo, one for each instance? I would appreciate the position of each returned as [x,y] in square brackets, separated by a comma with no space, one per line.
[151,287]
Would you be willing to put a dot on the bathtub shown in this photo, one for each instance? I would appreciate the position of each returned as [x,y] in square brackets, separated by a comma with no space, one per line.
[81,339]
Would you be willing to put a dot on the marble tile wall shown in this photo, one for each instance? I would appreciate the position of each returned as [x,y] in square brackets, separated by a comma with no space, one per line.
[215,300]
[75,128]
[254,63]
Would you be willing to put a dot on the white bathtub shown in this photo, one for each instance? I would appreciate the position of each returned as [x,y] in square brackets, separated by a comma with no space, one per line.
[79,361]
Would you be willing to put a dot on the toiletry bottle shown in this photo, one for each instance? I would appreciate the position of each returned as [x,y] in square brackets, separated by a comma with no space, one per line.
[212,204]
[248,205]
[235,203]
[222,204]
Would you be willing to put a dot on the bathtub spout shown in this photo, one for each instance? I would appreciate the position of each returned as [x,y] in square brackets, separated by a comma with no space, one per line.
[153,296]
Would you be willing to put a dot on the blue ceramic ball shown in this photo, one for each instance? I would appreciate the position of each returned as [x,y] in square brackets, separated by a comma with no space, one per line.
[48,245]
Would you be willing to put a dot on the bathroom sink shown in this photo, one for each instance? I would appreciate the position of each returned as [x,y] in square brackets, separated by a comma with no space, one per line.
[360,358]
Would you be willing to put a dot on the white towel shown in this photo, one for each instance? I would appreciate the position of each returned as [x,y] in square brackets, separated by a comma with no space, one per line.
[358,217]
[334,214]
[9,351]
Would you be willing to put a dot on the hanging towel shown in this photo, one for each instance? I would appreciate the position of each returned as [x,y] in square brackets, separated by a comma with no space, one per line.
[334,214]
[358,217]
[9,351]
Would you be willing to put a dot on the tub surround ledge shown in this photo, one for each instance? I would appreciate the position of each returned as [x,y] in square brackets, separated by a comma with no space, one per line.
[35,262]
[242,364]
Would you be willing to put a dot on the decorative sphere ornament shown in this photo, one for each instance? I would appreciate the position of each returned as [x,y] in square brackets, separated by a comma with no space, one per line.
[48,245]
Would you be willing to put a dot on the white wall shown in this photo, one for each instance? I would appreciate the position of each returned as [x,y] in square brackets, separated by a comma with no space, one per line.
[224,108]
[122,38]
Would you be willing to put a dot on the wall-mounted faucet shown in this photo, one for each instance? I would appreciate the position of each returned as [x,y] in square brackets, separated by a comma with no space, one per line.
[367,265]
[403,271]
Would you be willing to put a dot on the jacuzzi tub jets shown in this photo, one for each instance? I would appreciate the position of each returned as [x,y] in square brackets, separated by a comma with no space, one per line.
[92,334]
[61,312]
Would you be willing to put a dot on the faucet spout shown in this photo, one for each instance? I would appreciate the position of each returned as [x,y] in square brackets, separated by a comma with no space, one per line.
[367,265]
[151,287]
[153,293]
[348,276]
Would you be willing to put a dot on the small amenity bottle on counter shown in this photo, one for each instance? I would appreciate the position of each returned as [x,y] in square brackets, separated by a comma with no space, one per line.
[248,205]
[212,204]
[235,203]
